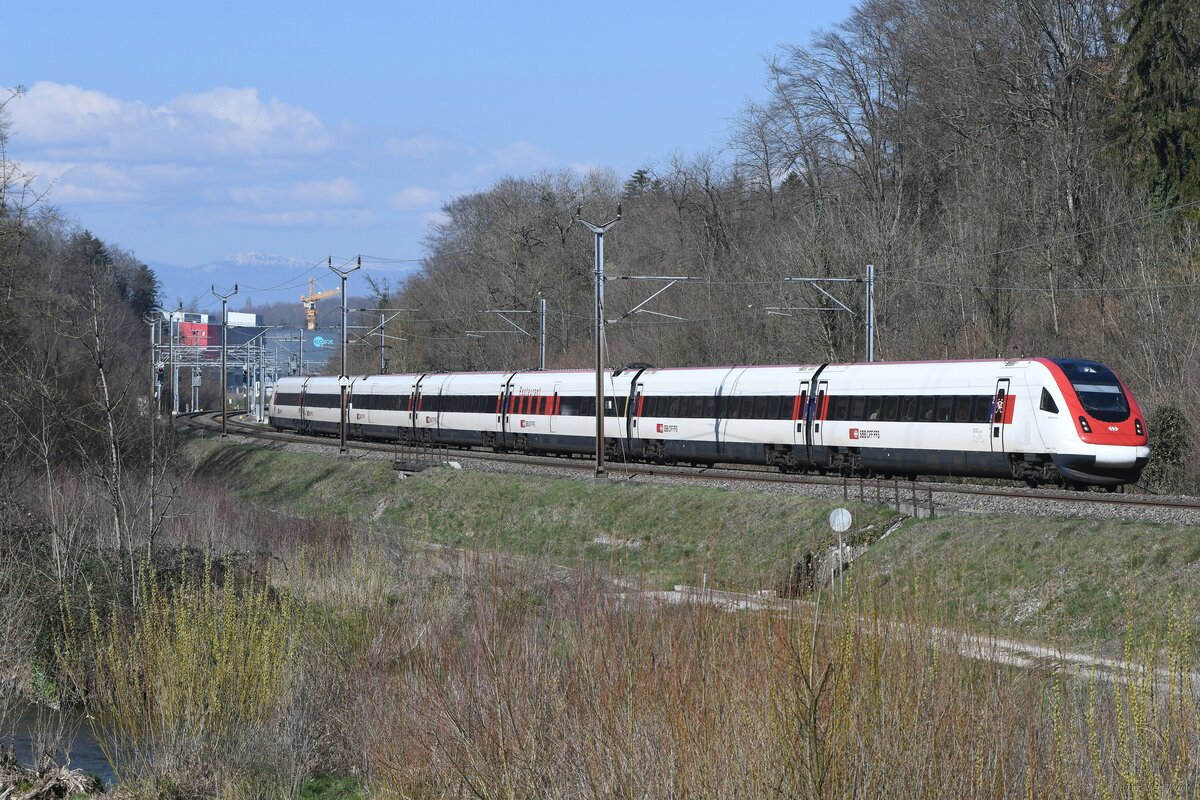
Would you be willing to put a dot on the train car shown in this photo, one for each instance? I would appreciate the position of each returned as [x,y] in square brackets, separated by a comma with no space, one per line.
[1040,420]
[284,411]
[380,407]
[307,405]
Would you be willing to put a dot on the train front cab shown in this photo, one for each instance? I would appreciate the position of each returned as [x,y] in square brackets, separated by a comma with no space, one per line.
[1102,438]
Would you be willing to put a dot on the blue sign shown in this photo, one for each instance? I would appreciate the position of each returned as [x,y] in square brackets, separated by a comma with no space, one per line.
[321,341]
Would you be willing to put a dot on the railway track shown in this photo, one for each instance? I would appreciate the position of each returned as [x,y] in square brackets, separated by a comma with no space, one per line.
[920,496]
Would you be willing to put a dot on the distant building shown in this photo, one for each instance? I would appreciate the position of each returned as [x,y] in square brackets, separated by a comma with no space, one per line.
[240,319]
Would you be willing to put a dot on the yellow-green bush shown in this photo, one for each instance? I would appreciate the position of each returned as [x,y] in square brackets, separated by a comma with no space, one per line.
[196,665]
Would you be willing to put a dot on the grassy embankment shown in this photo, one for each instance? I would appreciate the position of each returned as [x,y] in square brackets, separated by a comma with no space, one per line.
[1074,582]
[348,653]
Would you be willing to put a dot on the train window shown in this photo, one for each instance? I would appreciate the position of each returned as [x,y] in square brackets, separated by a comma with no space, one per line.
[709,408]
[803,410]
[874,404]
[982,410]
[690,407]
[998,408]
[840,407]
[891,407]
[962,408]
[775,408]
[1048,403]
[759,410]
[925,409]
[858,408]
[945,408]
[673,406]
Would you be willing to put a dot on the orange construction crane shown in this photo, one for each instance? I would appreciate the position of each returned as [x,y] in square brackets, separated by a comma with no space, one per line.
[310,303]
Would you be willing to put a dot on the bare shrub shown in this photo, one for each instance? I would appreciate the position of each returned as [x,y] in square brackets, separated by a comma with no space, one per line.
[180,681]
[553,693]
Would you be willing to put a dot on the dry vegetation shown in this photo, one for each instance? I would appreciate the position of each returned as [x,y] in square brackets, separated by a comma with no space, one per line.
[261,651]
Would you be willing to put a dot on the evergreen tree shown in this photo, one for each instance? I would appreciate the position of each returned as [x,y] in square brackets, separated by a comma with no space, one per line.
[1157,116]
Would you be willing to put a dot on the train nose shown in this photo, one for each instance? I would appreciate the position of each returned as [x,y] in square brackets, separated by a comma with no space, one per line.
[1119,456]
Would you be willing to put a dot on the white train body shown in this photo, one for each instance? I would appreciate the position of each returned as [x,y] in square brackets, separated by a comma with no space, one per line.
[1038,420]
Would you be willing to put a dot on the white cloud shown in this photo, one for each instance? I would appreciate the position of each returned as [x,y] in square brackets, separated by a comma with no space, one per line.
[73,122]
[422,147]
[333,192]
[415,197]
[435,218]
[583,168]
[338,191]
[336,217]
[522,156]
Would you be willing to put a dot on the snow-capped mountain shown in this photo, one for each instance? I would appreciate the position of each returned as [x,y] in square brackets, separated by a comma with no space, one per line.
[263,277]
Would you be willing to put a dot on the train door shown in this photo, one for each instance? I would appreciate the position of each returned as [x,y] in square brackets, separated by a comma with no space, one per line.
[800,411]
[727,439]
[1001,414]
[552,411]
[817,414]
[411,414]
[414,408]
[505,411]
[634,411]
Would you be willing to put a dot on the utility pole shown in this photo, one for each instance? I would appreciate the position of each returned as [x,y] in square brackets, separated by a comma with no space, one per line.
[343,379]
[382,344]
[542,332]
[173,334]
[152,399]
[599,231]
[224,298]
[870,312]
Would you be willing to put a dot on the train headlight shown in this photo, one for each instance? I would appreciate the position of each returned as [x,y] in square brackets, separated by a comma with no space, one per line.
[1083,423]
[1137,427]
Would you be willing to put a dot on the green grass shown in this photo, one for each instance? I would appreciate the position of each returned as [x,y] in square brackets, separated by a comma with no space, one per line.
[1078,582]
[665,535]
[331,787]
[306,485]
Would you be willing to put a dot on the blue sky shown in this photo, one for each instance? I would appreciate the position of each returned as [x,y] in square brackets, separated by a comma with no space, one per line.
[188,132]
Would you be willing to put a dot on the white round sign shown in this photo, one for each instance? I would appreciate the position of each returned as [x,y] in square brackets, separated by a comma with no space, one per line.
[839,520]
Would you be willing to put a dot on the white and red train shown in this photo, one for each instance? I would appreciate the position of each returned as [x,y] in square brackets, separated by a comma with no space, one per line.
[1040,420]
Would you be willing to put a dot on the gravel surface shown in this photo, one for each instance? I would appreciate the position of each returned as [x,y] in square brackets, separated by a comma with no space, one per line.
[946,501]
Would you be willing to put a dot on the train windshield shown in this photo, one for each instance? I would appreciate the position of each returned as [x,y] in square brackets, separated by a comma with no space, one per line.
[1099,391]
